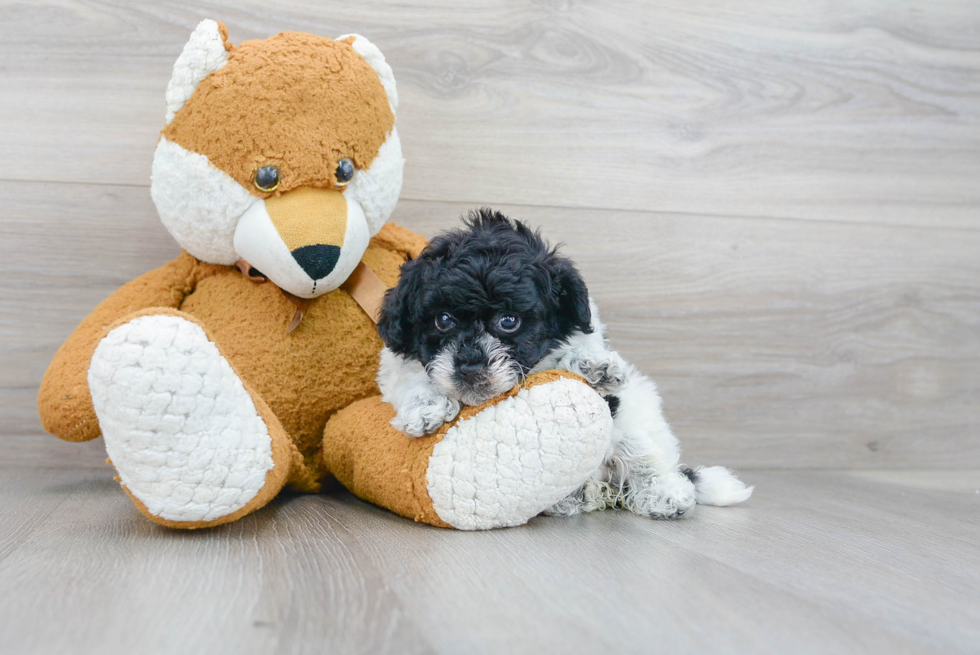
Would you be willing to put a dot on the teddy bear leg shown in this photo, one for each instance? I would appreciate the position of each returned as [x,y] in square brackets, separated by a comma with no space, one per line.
[193,446]
[496,465]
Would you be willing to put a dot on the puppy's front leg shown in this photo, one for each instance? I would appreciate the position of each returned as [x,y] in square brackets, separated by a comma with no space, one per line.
[404,384]
[589,355]
[652,481]
[606,371]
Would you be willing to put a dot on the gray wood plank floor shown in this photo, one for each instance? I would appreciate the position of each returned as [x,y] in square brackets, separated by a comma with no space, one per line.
[816,562]
[776,206]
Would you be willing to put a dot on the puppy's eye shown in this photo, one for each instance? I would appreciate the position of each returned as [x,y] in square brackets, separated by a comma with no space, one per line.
[445,322]
[345,171]
[267,179]
[508,323]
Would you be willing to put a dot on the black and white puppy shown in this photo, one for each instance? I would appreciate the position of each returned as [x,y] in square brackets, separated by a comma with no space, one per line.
[482,307]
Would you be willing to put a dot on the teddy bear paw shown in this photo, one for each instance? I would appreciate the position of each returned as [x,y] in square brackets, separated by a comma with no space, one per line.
[179,426]
[517,458]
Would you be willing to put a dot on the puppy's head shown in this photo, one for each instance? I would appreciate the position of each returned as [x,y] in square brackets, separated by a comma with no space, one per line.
[482,305]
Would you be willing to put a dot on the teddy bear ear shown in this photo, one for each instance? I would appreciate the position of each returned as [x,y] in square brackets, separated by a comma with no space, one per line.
[376,60]
[205,52]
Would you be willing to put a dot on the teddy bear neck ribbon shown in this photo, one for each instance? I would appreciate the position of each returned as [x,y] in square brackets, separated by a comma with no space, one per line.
[363,285]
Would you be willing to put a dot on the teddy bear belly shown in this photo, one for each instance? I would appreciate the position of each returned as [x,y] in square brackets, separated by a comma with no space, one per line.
[325,364]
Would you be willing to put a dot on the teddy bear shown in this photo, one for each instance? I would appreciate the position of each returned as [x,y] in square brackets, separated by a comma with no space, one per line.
[248,363]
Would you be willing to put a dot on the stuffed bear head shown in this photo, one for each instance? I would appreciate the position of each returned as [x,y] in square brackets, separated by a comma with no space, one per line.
[281,152]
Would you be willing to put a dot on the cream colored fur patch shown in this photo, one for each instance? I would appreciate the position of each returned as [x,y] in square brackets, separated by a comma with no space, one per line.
[178,424]
[519,457]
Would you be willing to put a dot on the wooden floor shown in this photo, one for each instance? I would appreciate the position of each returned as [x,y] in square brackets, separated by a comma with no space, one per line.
[817,562]
[776,205]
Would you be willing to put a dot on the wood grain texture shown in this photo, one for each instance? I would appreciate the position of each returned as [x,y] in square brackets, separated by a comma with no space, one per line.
[775,343]
[849,111]
[776,206]
[816,562]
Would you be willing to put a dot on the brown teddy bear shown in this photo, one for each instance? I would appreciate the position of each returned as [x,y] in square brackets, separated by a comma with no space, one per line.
[248,363]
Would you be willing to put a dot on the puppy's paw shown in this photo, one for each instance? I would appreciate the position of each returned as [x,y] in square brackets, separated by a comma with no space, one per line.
[591,496]
[662,497]
[606,373]
[425,414]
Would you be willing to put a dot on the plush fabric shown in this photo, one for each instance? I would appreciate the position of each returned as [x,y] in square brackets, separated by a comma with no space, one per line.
[174,414]
[199,204]
[483,469]
[335,103]
[377,188]
[305,376]
[206,51]
[518,457]
[214,387]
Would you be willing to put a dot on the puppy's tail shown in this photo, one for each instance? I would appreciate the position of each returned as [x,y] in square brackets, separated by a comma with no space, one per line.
[718,486]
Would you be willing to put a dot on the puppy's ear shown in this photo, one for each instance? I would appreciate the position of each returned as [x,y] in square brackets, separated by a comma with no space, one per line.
[395,325]
[573,297]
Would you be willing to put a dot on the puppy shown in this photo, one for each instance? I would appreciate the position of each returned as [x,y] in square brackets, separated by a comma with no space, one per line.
[482,307]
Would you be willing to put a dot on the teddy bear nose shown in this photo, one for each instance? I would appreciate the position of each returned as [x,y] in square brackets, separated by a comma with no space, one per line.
[317,260]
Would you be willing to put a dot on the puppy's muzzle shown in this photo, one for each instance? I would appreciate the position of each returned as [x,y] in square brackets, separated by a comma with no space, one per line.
[472,373]
[471,363]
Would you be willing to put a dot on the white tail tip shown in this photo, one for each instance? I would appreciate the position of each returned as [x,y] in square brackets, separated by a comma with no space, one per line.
[718,486]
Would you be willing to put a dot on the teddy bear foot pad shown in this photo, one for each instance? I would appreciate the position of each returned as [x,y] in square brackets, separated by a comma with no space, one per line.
[519,457]
[179,425]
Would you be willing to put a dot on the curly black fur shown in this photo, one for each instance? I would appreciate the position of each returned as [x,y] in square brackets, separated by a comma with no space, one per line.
[493,267]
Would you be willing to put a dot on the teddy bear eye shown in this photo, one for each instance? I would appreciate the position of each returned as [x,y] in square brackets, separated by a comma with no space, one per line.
[445,322]
[267,179]
[345,171]
[508,323]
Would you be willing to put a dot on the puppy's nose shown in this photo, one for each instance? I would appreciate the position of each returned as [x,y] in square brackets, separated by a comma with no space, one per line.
[471,370]
[317,260]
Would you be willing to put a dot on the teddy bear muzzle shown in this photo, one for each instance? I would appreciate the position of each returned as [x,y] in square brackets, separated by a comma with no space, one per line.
[307,241]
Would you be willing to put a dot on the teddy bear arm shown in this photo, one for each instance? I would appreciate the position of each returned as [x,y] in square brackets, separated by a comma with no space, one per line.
[495,465]
[64,401]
